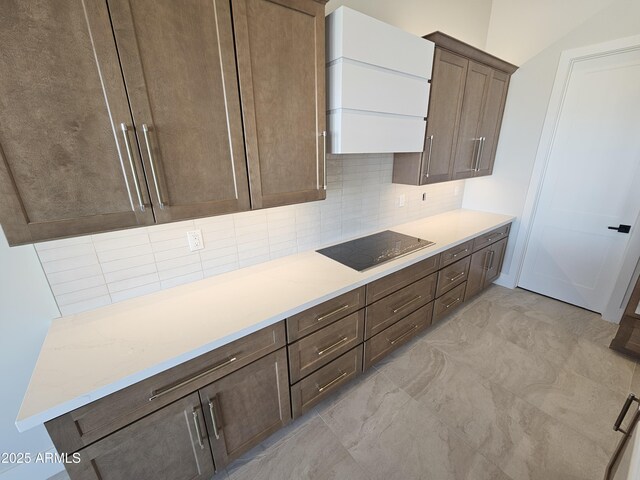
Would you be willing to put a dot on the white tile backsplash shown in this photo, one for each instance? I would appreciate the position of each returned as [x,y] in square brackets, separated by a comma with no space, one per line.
[92,271]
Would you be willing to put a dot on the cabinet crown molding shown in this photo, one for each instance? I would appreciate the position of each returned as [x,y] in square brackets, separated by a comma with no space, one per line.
[454,45]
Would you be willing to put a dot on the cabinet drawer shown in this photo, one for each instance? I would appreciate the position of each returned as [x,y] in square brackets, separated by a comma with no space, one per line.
[452,275]
[390,309]
[395,281]
[311,390]
[490,237]
[327,312]
[85,425]
[396,335]
[456,253]
[448,302]
[319,348]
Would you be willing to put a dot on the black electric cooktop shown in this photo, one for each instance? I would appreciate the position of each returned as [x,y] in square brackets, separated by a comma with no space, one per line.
[372,250]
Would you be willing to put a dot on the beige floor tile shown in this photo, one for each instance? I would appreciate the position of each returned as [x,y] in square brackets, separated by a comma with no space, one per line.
[309,452]
[518,437]
[599,331]
[602,365]
[394,437]
[540,337]
[579,402]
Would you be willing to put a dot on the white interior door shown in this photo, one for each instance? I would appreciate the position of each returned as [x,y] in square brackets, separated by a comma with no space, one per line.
[592,181]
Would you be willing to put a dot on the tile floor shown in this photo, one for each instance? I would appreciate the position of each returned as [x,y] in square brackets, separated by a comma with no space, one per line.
[513,386]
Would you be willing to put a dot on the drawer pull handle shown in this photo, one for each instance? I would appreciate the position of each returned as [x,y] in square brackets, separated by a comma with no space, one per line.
[196,422]
[213,420]
[405,305]
[452,303]
[331,347]
[457,277]
[337,310]
[405,334]
[332,382]
[163,391]
[460,253]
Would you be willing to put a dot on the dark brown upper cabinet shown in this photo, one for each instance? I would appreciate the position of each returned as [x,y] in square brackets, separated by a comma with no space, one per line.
[66,165]
[121,113]
[280,51]
[179,69]
[468,95]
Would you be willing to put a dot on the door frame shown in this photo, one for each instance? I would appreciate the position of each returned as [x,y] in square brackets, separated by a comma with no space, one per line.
[568,59]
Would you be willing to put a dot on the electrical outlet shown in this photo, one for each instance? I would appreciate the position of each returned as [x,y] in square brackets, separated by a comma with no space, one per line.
[195,240]
[401,200]
[456,191]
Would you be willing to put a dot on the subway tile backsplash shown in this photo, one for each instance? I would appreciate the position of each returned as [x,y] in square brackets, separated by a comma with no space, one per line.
[92,271]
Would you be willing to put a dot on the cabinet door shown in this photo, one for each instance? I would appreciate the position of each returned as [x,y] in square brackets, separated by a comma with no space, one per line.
[247,406]
[281,68]
[179,66]
[447,91]
[66,167]
[491,121]
[468,146]
[170,443]
[477,272]
[494,266]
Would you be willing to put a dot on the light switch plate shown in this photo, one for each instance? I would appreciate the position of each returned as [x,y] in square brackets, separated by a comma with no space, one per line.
[195,240]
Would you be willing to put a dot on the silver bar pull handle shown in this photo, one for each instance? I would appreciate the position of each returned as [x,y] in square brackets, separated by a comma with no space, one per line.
[196,422]
[480,152]
[452,303]
[134,172]
[324,157]
[460,253]
[426,175]
[405,305]
[405,334]
[485,262]
[331,347]
[337,310]
[332,382]
[457,277]
[163,391]
[474,163]
[213,420]
[145,130]
[492,253]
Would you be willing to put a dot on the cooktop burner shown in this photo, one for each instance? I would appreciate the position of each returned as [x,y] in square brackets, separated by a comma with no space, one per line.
[372,250]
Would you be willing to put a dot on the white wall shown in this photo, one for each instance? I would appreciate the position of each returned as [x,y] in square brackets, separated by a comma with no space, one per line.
[26,309]
[467,20]
[520,29]
[506,190]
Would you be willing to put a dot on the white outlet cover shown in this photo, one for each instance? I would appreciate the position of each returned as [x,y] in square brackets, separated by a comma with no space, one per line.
[401,200]
[195,240]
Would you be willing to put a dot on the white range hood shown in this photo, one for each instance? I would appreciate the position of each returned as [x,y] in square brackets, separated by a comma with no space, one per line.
[377,85]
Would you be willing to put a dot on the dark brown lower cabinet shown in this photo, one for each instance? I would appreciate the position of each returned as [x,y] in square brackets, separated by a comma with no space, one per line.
[246,406]
[176,442]
[170,443]
[485,267]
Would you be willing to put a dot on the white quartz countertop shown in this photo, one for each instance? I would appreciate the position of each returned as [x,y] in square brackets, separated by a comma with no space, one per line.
[93,354]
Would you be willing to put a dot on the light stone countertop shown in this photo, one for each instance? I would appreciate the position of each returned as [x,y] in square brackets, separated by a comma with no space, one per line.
[90,355]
